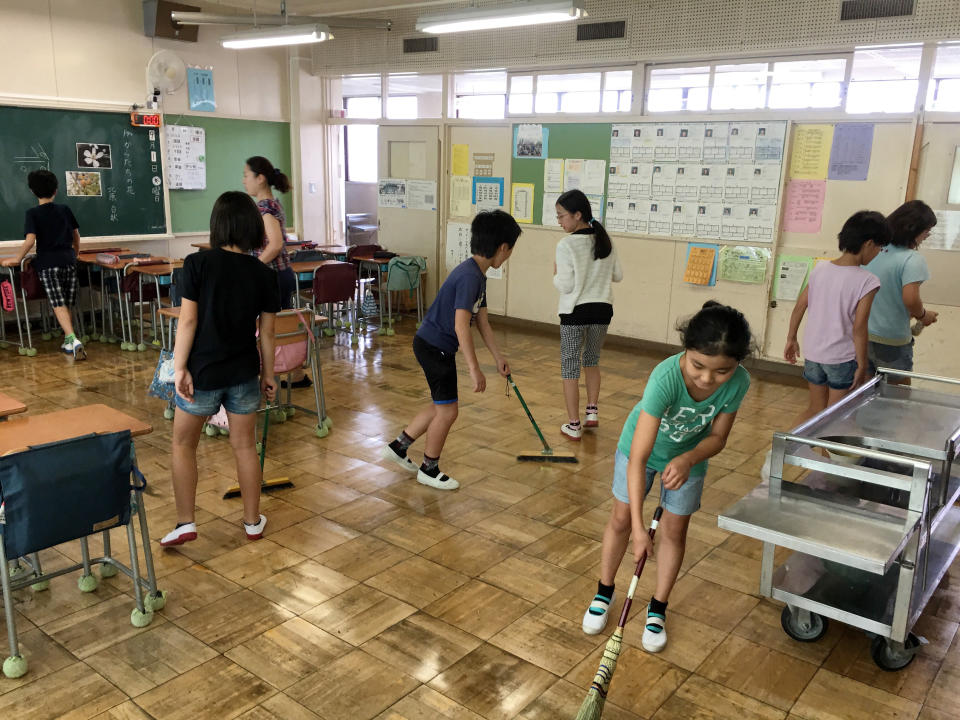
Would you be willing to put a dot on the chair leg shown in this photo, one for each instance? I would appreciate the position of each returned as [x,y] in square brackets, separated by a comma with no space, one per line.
[88,581]
[15,665]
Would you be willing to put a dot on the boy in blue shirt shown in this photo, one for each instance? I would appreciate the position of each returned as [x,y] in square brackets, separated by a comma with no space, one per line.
[54,230]
[446,327]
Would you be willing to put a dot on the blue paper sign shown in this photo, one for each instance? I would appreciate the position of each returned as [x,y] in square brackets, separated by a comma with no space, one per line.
[200,89]
[487,191]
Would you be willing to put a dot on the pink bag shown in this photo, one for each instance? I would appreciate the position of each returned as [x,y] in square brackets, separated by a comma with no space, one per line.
[287,358]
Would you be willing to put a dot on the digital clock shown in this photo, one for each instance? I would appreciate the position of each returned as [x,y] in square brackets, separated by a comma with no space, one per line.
[144,120]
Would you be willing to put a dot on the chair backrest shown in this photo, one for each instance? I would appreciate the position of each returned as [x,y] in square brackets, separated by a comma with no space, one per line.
[362,250]
[334,282]
[307,256]
[63,491]
[290,340]
[403,272]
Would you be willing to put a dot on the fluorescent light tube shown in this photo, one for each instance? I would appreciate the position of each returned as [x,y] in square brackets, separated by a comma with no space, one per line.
[275,36]
[522,14]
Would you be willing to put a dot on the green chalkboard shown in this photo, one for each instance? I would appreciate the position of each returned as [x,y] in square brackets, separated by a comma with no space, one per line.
[126,197]
[228,144]
[587,141]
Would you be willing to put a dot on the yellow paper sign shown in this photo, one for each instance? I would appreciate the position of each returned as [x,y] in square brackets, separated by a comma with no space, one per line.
[521,202]
[461,160]
[811,152]
[699,265]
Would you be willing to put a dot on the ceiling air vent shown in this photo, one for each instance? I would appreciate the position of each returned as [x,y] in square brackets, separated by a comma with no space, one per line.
[867,9]
[602,30]
[419,45]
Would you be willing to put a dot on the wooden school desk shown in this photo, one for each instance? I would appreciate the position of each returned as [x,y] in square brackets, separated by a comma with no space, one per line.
[10,406]
[19,433]
[88,258]
[162,274]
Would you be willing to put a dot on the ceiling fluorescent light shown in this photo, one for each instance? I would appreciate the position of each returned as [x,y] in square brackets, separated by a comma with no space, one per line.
[278,35]
[521,14]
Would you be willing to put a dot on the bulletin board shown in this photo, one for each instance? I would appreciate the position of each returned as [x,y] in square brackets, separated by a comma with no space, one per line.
[584,141]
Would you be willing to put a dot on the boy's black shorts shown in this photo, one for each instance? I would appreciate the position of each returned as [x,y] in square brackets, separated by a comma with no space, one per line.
[440,369]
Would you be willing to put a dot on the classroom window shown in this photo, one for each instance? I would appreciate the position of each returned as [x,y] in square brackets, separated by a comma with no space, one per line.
[884,79]
[568,93]
[617,92]
[807,83]
[672,89]
[521,95]
[739,87]
[480,95]
[361,96]
[943,93]
[361,153]
[411,96]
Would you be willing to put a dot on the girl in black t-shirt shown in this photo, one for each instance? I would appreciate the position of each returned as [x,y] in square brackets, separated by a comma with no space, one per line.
[226,293]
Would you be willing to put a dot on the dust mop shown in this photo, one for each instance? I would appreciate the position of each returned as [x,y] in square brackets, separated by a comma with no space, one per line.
[280,483]
[547,454]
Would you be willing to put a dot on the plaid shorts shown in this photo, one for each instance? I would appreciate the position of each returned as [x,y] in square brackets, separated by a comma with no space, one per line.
[60,283]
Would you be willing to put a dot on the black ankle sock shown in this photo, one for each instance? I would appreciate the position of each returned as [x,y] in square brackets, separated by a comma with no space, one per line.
[431,466]
[657,607]
[401,444]
[180,525]
[605,590]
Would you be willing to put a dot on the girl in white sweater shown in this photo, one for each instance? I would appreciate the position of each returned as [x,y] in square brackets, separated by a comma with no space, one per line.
[586,265]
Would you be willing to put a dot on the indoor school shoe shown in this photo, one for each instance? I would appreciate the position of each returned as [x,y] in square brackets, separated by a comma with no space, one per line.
[255,532]
[74,347]
[440,482]
[572,432]
[388,453]
[655,633]
[592,419]
[179,535]
[595,618]
[303,382]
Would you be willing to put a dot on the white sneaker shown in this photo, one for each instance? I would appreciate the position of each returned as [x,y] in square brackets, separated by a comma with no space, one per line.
[255,532]
[571,432]
[388,453]
[180,535]
[75,348]
[595,618]
[440,482]
[655,633]
[592,419]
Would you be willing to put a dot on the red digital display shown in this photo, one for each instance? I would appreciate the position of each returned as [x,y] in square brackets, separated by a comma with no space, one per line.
[142,120]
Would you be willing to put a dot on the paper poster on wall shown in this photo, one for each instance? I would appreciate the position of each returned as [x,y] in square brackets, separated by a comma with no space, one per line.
[790,276]
[715,137]
[487,193]
[421,195]
[660,218]
[687,187]
[200,89]
[83,184]
[392,193]
[733,222]
[850,151]
[690,142]
[458,244]
[596,205]
[953,193]
[572,174]
[811,152]
[461,200]
[495,273]
[742,264]
[186,157]
[683,219]
[663,181]
[769,142]
[594,177]
[945,235]
[483,164]
[460,160]
[620,143]
[530,140]
[764,184]
[760,222]
[521,202]
[709,218]
[553,175]
[803,206]
[665,139]
[741,142]
[701,266]
[94,155]
[549,212]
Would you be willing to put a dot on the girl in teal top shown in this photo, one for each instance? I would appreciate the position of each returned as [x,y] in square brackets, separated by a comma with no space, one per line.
[686,413]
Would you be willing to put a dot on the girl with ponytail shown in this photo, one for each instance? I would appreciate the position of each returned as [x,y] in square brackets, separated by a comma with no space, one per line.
[586,265]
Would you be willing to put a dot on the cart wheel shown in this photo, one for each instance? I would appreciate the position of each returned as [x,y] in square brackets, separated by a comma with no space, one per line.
[16,570]
[809,631]
[108,570]
[321,431]
[390,332]
[47,336]
[31,352]
[290,412]
[103,339]
[210,430]
[327,422]
[142,347]
[14,666]
[279,416]
[891,656]
[21,351]
[153,603]
[140,619]
[40,586]
[85,339]
[124,346]
[157,344]
[87,583]
[168,413]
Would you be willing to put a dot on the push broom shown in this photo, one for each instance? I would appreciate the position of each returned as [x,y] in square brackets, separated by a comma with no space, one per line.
[280,483]
[548,454]
[592,707]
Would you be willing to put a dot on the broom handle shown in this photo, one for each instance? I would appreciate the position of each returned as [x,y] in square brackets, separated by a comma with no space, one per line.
[263,440]
[636,574]
[527,410]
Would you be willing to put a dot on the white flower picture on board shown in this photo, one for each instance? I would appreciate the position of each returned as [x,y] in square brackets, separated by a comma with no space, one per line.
[94,155]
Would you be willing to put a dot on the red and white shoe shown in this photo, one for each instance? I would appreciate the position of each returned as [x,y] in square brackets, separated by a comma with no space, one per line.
[180,535]
[572,432]
[255,532]
[592,420]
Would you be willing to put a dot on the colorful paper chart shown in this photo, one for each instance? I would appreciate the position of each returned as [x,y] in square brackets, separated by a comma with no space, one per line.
[701,264]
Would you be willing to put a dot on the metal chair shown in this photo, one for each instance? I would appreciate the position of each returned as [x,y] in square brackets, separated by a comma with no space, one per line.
[337,284]
[403,275]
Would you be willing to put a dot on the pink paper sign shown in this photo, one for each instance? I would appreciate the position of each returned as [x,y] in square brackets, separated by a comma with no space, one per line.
[804,206]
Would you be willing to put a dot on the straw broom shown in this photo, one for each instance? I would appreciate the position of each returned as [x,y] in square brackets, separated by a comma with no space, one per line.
[592,707]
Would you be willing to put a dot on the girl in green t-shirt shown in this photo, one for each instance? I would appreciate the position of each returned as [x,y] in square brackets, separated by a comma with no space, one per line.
[686,413]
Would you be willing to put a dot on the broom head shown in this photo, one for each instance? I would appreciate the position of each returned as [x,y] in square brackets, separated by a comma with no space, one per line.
[548,457]
[592,707]
[280,483]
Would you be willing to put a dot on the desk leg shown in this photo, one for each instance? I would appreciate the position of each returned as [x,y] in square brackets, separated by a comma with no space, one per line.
[28,350]
[14,666]
[93,310]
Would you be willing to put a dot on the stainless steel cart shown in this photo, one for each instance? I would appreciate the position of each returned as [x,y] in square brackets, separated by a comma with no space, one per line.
[869,512]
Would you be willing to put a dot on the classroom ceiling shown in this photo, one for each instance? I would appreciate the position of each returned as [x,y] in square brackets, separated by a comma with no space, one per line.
[316,7]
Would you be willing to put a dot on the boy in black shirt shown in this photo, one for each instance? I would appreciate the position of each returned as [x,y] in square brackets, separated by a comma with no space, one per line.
[54,230]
